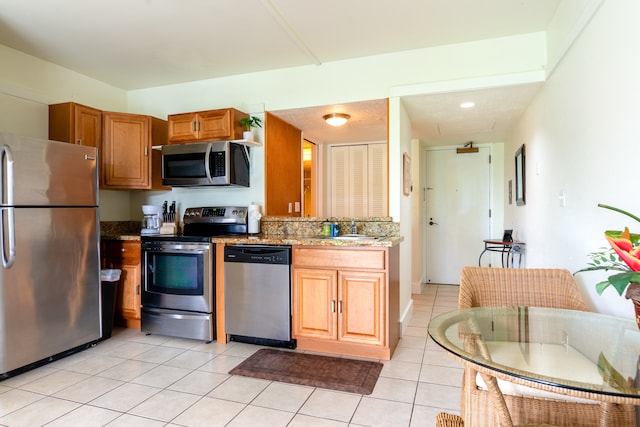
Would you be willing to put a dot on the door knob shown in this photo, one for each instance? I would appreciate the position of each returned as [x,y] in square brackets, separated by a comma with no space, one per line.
[431,222]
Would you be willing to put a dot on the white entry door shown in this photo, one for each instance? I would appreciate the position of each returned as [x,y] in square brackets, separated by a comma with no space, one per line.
[457,211]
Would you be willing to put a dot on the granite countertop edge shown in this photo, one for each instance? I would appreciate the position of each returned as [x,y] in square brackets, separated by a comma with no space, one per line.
[281,240]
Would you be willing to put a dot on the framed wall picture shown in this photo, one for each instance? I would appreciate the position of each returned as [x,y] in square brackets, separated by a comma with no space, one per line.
[406,174]
[510,191]
[520,176]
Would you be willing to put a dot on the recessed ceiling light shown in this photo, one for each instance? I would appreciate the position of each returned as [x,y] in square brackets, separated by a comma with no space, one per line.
[468,104]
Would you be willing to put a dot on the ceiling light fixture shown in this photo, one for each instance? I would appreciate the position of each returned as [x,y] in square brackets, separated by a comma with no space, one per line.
[336,119]
[468,104]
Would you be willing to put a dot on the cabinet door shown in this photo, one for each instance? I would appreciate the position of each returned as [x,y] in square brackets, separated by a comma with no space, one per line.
[183,127]
[76,124]
[131,298]
[361,308]
[128,298]
[314,303]
[214,125]
[88,126]
[126,151]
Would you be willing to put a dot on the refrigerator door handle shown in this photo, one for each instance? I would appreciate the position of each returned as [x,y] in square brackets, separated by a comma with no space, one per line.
[8,259]
[6,198]
[6,173]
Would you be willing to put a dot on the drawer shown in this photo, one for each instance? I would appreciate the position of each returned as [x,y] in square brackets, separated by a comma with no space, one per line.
[342,258]
[129,250]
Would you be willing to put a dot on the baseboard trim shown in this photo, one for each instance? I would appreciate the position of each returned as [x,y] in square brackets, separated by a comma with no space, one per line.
[406,317]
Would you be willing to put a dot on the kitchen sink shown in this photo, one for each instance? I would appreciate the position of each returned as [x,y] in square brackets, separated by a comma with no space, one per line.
[354,237]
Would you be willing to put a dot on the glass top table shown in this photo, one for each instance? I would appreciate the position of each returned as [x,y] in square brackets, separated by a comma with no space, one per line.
[577,353]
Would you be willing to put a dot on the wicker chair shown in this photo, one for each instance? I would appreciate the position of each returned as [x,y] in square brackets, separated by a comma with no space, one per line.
[444,419]
[534,287]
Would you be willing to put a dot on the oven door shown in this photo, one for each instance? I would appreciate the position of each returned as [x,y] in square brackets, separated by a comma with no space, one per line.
[178,276]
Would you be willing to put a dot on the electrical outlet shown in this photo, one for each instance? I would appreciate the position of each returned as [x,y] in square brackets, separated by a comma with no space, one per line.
[297,207]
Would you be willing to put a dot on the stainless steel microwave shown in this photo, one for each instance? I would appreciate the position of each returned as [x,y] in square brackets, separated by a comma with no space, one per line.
[205,163]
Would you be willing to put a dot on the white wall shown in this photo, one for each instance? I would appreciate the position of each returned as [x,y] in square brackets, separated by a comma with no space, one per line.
[418,242]
[400,206]
[581,136]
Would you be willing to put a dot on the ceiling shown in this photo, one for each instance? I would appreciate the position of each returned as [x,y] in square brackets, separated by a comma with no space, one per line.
[134,44]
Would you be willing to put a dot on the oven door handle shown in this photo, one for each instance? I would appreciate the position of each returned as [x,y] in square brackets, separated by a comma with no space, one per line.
[173,315]
[170,251]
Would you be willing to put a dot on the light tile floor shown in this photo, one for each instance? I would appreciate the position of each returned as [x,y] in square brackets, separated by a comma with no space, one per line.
[135,380]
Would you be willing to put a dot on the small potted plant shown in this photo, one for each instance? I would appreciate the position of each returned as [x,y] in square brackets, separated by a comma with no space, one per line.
[248,123]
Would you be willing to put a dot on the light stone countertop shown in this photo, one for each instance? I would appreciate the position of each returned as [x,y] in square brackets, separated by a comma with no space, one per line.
[282,231]
[282,240]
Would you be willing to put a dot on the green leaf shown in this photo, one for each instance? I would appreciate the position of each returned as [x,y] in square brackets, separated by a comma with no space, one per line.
[619,210]
[600,287]
[621,281]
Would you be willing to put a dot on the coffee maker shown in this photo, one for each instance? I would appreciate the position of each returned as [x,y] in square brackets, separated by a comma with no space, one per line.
[152,219]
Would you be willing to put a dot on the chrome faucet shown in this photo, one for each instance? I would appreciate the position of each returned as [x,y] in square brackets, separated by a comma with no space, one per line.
[354,229]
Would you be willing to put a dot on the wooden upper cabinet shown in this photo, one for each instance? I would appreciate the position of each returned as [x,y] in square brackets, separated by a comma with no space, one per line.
[75,124]
[211,125]
[126,161]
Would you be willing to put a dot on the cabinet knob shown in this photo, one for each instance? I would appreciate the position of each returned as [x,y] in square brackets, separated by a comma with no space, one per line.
[122,250]
[333,306]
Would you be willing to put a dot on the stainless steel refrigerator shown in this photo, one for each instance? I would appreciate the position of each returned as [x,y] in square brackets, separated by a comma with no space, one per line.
[50,273]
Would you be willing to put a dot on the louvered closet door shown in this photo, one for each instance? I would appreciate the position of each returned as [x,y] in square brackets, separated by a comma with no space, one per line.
[358,181]
[378,175]
[339,181]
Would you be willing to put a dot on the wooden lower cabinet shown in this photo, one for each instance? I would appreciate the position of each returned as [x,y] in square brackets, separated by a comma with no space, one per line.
[125,256]
[341,301]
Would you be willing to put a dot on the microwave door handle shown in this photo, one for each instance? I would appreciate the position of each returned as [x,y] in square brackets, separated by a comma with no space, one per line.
[6,197]
[207,156]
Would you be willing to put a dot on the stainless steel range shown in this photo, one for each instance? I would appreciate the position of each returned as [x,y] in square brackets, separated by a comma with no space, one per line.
[178,273]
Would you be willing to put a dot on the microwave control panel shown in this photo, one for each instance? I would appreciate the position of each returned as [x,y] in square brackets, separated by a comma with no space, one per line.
[218,163]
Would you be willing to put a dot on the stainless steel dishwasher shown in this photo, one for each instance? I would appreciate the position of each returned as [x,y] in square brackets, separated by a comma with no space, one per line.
[257,289]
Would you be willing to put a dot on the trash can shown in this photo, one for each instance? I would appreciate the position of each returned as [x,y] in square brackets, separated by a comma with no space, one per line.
[108,287]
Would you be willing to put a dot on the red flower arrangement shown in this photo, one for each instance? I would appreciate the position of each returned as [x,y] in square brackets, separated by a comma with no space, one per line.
[623,256]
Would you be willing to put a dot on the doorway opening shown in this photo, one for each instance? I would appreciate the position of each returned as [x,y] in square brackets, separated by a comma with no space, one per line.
[309,184]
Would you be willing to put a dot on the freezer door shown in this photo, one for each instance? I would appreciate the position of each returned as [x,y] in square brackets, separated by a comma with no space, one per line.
[50,296]
[37,172]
